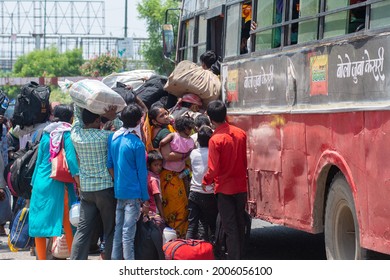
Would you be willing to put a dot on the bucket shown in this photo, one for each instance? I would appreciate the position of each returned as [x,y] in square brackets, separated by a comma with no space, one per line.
[74,214]
[169,234]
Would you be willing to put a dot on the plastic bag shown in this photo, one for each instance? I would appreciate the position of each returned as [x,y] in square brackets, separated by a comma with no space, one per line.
[133,78]
[59,248]
[74,214]
[93,95]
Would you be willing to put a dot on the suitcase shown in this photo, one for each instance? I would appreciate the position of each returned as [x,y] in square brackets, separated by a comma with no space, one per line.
[191,249]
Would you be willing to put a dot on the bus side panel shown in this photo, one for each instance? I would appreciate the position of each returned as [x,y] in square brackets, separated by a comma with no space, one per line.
[265,193]
[377,139]
[294,173]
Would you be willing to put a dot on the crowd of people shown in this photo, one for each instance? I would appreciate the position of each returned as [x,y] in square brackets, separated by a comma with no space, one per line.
[172,164]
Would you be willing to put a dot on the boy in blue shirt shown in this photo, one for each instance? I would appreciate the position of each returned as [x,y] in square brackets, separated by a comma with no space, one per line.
[126,163]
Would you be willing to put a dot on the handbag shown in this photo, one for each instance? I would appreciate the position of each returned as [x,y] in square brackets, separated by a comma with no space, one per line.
[59,248]
[59,167]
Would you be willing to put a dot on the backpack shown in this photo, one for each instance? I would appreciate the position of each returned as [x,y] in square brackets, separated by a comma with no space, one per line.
[148,241]
[32,105]
[152,90]
[23,167]
[19,237]
[4,102]
[127,94]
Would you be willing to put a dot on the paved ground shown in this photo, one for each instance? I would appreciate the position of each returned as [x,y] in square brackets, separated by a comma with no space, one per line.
[6,254]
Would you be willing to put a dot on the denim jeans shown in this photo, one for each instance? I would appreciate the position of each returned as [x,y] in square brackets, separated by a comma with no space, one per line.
[127,214]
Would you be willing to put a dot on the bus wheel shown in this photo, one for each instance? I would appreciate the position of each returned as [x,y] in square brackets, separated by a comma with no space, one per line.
[341,226]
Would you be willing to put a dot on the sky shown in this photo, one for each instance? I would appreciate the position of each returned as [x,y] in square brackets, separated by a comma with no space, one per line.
[115,19]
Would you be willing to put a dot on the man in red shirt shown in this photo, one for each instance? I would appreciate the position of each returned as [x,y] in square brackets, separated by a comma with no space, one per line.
[227,164]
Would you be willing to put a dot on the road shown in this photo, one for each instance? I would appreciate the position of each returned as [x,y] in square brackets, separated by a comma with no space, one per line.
[267,242]
[6,254]
[271,242]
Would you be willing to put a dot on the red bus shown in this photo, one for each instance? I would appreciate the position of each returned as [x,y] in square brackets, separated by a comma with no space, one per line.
[310,85]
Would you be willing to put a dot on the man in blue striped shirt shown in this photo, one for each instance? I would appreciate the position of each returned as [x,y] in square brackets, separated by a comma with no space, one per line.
[96,186]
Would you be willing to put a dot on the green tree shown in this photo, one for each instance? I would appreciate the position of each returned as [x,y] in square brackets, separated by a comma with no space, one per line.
[102,65]
[49,63]
[57,95]
[153,11]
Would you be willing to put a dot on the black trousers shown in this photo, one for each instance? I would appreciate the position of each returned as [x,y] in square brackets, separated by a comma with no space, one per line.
[202,208]
[232,211]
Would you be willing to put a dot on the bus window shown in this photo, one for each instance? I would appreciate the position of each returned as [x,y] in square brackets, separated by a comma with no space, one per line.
[292,12]
[380,14]
[202,36]
[308,29]
[335,24]
[189,39]
[233,25]
[215,34]
[194,39]
[295,10]
[245,27]
[357,17]
[344,22]
[269,38]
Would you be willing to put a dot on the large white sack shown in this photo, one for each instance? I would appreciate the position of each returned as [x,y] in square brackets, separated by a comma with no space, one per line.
[188,77]
[133,78]
[93,95]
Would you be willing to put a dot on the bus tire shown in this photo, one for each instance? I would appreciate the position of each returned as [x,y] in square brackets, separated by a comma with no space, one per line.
[341,226]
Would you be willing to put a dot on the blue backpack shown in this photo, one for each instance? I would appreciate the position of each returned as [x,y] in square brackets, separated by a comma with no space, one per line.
[19,237]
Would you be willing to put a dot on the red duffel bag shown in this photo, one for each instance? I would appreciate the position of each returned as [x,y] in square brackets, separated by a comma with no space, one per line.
[181,249]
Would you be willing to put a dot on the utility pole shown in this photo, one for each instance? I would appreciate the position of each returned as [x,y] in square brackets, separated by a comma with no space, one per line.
[125,18]
[44,26]
[12,38]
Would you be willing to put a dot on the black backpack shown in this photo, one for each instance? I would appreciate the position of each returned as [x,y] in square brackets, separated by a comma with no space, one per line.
[4,102]
[152,90]
[127,94]
[22,168]
[148,241]
[32,105]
